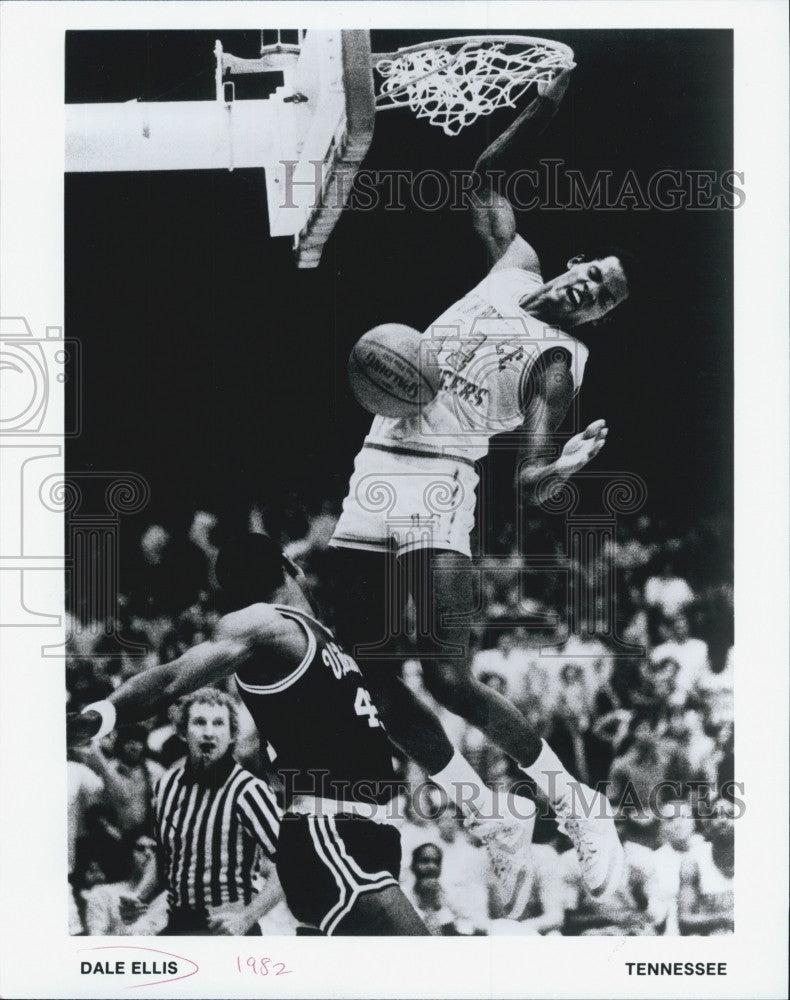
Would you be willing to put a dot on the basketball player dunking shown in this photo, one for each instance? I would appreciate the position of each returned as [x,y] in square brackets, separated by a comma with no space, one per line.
[338,857]
[506,363]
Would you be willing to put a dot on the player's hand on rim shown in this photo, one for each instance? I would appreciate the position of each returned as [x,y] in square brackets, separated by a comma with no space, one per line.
[555,89]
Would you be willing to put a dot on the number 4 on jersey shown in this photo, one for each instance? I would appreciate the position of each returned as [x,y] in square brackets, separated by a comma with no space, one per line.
[364,706]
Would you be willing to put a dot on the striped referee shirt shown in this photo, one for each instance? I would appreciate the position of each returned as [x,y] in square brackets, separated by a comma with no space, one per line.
[213,829]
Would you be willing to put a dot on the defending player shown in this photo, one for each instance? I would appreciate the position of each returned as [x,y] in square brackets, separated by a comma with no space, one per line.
[505,362]
[338,859]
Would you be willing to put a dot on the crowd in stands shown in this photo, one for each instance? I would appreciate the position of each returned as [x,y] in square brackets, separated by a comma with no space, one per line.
[645,705]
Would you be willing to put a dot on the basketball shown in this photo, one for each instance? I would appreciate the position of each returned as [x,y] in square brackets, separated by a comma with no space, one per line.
[388,376]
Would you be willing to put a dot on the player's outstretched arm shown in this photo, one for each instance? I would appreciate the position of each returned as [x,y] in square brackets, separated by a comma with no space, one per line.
[552,392]
[581,449]
[493,218]
[146,693]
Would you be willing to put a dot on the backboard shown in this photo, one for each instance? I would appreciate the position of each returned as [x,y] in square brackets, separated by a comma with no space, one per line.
[310,135]
[323,139]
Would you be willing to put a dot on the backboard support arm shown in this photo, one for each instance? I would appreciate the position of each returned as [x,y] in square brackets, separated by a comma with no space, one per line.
[310,136]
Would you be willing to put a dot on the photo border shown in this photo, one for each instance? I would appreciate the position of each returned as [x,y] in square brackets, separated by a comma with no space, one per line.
[38,957]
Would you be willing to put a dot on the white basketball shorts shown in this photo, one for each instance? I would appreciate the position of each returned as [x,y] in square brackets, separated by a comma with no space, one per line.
[400,500]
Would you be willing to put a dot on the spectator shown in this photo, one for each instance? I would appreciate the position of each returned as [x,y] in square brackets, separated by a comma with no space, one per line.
[614,727]
[83,791]
[86,874]
[165,575]
[104,901]
[83,686]
[715,690]
[128,778]
[692,754]
[575,697]
[668,592]
[637,772]
[201,535]
[510,658]
[171,646]
[494,680]
[634,549]
[690,654]
[677,837]
[592,658]
[634,619]
[421,805]
[427,895]
[725,774]
[705,905]
[656,687]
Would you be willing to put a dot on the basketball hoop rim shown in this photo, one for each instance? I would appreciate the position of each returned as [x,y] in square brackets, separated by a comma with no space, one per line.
[524,40]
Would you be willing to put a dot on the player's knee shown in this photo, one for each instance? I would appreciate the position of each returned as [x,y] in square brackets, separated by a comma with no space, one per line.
[386,912]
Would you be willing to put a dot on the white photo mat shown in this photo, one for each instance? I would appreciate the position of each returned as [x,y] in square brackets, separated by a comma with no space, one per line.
[37,957]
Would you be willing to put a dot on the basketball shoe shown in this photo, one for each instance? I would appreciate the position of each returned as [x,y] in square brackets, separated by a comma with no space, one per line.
[508,846]
[584,817]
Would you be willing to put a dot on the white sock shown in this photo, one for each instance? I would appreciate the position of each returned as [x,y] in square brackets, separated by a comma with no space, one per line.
[465,788]
[549,774]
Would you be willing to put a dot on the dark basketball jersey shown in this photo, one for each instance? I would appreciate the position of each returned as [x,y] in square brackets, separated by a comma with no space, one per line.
[318,725]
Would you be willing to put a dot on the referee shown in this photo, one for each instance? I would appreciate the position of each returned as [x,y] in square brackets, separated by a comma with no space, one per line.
[216,824]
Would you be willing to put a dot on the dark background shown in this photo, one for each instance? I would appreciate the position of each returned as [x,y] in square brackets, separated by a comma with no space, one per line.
[216,369]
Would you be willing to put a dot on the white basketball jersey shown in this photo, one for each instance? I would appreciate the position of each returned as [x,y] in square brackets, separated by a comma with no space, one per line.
[483,349]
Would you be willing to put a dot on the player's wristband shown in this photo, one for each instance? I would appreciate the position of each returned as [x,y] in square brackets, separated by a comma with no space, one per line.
[106,710]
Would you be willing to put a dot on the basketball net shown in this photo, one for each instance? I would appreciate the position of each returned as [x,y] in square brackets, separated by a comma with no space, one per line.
[455,81]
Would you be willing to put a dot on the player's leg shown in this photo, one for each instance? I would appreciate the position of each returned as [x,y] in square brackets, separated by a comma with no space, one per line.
[369,851]
[369,602]
[386,912]
[369,608]
[340,873]
[441,584]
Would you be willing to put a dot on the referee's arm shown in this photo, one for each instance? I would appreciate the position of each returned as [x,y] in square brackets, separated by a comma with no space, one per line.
[260,816]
